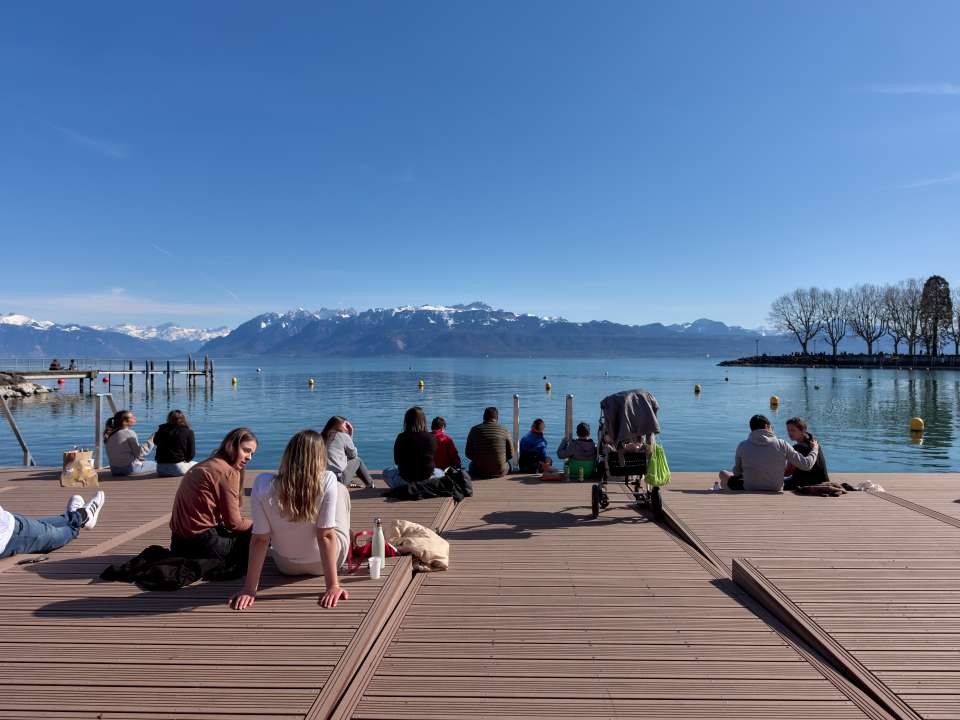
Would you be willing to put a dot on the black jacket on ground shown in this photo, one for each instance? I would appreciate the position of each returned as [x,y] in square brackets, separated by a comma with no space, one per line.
[455,484]
[157,568]
[175,444]
[413,453]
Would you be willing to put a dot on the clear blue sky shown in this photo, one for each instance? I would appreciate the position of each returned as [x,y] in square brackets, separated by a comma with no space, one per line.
[203,162]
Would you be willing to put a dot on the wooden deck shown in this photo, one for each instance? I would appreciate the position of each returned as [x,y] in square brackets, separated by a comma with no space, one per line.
[877,581]
[542,614]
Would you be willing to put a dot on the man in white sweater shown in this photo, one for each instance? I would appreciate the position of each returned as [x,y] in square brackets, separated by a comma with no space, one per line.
[761,459]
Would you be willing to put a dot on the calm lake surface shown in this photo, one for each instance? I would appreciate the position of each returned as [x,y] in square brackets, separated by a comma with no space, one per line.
[860,416]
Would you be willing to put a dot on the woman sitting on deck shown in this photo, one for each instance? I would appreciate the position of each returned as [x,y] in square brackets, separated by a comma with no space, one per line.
[207,520]
[127,455]
[342,456]
[795,477]
[176,446]
[305,513]
[413,451]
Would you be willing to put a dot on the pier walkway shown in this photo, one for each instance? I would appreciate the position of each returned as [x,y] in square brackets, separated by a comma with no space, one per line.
[769,607]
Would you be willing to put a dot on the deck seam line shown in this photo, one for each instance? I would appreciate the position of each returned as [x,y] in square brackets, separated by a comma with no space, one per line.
[367,634]
[916,507]
[353,693]
[752,580]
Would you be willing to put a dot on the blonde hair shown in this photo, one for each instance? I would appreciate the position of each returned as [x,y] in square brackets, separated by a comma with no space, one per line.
[298,484]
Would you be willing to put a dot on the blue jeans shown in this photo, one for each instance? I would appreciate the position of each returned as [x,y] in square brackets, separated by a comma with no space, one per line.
[172,469]
[139,467]
[42,535]
[391,476]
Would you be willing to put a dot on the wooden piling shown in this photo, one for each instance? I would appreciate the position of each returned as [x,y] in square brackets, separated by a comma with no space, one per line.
[130,376]
[568,418]
[516,426]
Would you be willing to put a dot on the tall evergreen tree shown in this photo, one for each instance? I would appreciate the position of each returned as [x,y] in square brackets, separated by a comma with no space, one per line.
[936,312]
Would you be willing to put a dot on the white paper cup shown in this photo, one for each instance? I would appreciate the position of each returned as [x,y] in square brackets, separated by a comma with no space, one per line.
[375,563]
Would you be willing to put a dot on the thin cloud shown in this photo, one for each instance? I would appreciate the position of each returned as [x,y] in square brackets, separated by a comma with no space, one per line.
[929,182]
[115,150]
[206,276]
[930,88]
[115,303]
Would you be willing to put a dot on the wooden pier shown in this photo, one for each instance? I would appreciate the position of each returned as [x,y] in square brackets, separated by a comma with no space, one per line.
[765,606]
[168,369]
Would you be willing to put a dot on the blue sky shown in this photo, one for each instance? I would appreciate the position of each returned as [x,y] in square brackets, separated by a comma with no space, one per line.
[634,161]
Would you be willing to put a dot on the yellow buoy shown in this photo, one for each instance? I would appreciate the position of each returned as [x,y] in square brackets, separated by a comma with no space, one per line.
[697,389]
[311,382]
[916,425]
[233,381]
[548,387]
[421,384]
[774,400]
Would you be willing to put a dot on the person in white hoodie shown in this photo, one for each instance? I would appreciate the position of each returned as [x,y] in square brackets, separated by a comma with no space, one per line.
[761,458]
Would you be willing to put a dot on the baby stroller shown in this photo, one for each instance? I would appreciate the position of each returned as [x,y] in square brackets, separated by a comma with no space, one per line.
[628,426]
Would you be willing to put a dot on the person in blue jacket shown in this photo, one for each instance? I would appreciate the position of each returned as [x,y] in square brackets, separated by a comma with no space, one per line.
[533,449]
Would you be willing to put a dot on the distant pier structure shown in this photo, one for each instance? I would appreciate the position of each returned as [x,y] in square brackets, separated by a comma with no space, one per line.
[112,372]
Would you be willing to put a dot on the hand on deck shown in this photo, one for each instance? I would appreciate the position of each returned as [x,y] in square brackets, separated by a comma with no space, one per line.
[243,600]
[332,596]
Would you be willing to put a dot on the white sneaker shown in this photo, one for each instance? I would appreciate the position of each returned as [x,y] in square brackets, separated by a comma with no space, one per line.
[74,504]
[93,509]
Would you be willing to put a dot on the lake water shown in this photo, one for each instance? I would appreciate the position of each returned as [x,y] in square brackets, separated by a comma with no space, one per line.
[860,416]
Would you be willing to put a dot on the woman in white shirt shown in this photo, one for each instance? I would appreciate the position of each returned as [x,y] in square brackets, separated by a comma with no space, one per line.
[303,512]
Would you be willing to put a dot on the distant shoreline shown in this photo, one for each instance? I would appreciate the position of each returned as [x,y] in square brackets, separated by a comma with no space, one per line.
[858,361]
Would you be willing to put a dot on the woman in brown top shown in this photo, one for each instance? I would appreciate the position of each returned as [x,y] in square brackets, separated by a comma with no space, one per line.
[207,520]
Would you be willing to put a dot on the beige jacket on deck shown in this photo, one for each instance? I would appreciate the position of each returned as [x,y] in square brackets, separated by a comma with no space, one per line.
[430,551]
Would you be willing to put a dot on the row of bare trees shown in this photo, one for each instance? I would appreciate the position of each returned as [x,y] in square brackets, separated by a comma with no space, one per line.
[914,313]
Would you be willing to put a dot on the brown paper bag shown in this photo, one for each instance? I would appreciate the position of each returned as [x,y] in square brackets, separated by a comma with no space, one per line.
[78,470]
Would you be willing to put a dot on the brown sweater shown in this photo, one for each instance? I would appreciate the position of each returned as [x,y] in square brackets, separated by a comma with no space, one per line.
[209,494]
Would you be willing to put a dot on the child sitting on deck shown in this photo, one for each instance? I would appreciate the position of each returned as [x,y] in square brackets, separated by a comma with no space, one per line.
[580,453]
[305,512]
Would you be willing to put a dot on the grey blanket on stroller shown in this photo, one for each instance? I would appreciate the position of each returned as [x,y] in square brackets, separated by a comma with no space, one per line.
[630,415]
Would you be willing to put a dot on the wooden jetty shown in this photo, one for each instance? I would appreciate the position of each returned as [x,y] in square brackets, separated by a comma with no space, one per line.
[130,369]
[752,606]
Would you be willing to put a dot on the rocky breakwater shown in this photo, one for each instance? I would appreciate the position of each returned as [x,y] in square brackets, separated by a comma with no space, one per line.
[12,386]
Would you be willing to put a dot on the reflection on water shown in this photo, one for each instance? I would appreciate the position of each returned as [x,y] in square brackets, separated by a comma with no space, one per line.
[860,416]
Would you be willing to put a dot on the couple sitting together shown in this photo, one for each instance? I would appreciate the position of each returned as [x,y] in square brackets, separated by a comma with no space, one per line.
[765,463]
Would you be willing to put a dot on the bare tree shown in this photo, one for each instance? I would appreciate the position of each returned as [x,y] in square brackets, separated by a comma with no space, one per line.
[834,314]
[799,313]
[936,313]
[902,306]
[953,334]
[868,317]
[893,303]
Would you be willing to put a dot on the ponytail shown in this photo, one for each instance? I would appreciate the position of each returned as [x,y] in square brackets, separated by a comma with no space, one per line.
[114,423]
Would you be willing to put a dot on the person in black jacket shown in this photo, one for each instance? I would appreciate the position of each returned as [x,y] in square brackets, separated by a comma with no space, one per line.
[413,451]
[803,444]
[176,446]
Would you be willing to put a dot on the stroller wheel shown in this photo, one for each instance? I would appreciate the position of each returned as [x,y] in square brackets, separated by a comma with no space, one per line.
[595,494]
[604,500]
[656,502]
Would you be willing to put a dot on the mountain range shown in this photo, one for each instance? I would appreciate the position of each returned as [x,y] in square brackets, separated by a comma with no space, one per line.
[472,330]
[476,330]
[22,336]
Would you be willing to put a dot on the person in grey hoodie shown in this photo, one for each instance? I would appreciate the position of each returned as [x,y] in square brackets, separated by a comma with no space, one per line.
[127,455]
[342,457]
[761,458]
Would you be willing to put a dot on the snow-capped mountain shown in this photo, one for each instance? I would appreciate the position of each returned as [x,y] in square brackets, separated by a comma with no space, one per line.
[474,330]
[22,336]
[24,321]
[169,332]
